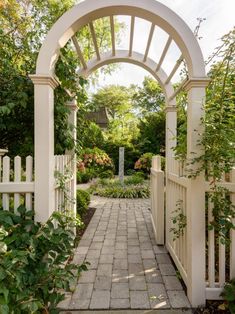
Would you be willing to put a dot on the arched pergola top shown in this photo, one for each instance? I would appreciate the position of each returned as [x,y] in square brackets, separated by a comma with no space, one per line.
[150,10]
[136,59]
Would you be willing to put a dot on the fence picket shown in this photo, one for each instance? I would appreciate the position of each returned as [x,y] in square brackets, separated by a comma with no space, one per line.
[29,178]
[211,248]
[17,178]
[6,179]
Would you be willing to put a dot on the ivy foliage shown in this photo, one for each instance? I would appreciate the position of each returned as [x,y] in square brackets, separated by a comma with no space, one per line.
[34,261]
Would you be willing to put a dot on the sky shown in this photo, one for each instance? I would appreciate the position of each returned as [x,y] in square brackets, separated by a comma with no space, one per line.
[220,19]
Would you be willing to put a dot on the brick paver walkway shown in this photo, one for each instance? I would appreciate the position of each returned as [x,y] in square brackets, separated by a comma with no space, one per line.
[127,269]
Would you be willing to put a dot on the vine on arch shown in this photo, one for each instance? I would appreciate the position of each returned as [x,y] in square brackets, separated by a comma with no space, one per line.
[218,138]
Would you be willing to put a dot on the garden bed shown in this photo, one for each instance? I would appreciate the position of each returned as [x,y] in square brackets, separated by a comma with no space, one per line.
[132,187]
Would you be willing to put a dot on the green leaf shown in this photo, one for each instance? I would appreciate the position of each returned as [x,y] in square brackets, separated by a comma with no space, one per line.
[4,309]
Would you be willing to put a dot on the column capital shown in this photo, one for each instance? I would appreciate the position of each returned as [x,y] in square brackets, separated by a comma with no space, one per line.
[42,79]
[171,109]
[196,82]
[72,105]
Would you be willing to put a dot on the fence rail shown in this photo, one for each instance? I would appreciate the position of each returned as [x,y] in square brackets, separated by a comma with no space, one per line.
[16,183]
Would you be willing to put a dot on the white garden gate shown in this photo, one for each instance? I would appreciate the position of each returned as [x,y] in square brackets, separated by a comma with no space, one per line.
[189,252]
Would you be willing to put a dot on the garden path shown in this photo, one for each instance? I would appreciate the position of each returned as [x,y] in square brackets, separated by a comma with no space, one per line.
[127,269]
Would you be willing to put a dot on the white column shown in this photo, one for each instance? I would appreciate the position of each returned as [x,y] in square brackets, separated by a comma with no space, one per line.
[72,119]
[171,132]
[195,196]
[44,198]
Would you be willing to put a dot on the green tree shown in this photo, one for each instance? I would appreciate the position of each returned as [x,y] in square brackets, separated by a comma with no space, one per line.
[152,133]
[149,97]
[24,27]
[148,101]
[117,100]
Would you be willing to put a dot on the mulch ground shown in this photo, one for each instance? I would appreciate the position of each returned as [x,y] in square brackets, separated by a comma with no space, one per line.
[86,218]
[212,307]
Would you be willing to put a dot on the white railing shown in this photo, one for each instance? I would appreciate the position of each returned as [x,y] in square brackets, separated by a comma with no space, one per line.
[64,182]
[220,258]
[176,201]
[17,186]
[16,183]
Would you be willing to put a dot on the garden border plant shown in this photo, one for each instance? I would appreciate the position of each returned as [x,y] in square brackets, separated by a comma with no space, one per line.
[134,187]
[35,267]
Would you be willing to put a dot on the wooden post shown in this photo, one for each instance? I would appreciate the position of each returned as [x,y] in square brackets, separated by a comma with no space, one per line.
[157,200]
[44,146]
[196,263]
[72,119]
[171,133]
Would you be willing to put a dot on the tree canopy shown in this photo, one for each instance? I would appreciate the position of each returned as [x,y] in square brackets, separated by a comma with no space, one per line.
[24,27]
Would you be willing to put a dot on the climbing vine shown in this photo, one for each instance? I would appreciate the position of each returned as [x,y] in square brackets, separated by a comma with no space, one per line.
[179,221]
[218,139]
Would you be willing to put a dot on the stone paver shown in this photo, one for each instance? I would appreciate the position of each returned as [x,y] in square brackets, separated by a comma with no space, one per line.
[139,300]
[120,291]
[127,269]
[100,299]
[178,299]
[172,283]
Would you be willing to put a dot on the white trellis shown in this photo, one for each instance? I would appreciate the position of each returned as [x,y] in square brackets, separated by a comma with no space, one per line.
[44,81]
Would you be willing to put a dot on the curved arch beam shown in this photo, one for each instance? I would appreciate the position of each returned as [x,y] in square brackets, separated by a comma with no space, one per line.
[151,10]
[137,59]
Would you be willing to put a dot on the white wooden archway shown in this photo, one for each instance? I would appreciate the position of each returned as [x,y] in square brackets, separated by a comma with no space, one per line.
[192,267]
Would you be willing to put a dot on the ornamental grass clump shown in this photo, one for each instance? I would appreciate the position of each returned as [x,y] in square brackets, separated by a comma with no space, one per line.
[133,187]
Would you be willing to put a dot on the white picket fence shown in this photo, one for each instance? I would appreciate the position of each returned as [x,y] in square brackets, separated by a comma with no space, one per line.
[217,255]
[16,183]
[64,182]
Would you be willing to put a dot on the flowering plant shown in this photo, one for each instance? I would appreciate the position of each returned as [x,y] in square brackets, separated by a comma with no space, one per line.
[144,162]
[95,159]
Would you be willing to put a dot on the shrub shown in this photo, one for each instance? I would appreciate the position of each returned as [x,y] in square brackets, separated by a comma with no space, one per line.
[134,180]
[108,174]
[131,154]
[95,161]
[34,259]
[144,162]
[84,177]
[83,200]
[130,172]
[228,295]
